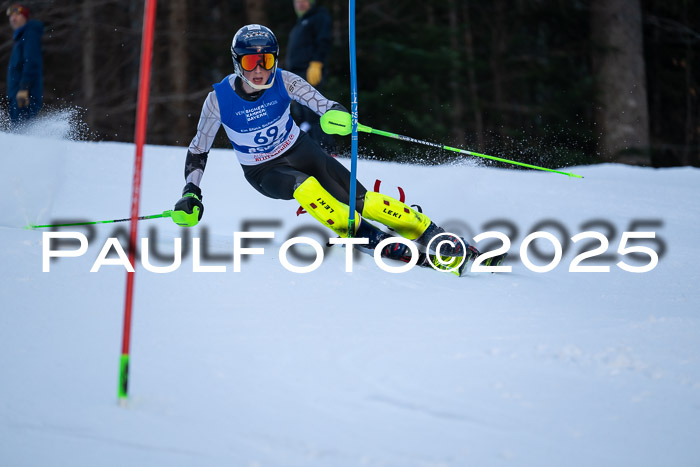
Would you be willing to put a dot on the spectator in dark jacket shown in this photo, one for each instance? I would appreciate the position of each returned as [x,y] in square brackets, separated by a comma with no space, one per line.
[307,50]
[25,87]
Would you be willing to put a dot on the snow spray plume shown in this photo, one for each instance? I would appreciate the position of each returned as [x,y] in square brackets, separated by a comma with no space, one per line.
[336,122]
[60,123]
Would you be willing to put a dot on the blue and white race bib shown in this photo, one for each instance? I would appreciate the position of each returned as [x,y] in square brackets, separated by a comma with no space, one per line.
[259,130]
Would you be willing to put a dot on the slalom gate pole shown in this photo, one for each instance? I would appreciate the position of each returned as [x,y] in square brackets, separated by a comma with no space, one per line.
[338,123]
[353,113]
[141,218]
[149,17]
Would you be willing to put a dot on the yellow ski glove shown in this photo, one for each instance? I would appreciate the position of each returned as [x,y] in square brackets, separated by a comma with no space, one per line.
[22,98]
[314,73]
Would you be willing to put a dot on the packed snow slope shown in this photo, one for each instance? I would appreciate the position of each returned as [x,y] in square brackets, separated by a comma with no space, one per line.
[268,367]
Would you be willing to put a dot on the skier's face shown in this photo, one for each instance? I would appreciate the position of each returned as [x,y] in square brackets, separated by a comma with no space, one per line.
[258,76]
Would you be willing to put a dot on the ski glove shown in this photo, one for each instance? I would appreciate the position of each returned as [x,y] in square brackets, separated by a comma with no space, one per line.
[336,121]
[22,98]
[189,209]
[340,107]
[314,73]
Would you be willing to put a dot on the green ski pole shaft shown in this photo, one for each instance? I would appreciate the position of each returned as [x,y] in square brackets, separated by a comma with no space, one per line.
[142,218]
[462,151]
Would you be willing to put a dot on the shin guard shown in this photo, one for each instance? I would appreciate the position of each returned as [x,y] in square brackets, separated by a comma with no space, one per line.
[324,207]
[396,215]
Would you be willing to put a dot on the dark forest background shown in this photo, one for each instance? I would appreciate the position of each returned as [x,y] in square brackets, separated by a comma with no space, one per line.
[542,81]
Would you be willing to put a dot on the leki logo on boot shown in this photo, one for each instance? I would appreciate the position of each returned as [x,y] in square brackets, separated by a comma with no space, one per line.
[391,213]
[324,205]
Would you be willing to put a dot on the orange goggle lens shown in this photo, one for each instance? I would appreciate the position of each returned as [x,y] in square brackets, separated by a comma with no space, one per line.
[250,62]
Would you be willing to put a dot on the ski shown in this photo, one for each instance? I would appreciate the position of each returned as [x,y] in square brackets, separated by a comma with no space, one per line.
[452,264]
[457,265]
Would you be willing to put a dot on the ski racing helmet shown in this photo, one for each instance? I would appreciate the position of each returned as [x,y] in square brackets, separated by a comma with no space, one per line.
[255,39]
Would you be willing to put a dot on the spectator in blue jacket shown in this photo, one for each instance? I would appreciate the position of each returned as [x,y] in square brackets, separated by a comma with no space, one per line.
[25,87]
[307,49]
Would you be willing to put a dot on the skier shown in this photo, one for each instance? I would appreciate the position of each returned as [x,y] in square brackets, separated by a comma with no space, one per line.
[283,162]
[25,79]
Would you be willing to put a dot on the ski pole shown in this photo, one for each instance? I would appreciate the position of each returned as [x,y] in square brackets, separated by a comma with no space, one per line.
[142,218]
[354,124]
[338,123]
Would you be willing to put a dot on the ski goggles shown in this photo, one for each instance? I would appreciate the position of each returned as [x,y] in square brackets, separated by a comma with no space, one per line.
[250,62]
[17,9]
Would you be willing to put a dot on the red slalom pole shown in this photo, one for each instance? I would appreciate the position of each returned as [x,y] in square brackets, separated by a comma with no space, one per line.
[149,19]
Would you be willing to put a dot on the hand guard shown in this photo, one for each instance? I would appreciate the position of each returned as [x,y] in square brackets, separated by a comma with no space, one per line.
[189,209]
[336,121]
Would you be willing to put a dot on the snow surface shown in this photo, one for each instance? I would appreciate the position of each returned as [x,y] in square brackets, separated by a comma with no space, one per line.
[267,367]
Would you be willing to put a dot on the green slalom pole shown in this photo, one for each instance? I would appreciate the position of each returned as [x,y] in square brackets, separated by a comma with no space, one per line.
[142,218]
[337,122]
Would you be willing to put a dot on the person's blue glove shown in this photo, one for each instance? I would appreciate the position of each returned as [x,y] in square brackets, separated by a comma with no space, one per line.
[189,209]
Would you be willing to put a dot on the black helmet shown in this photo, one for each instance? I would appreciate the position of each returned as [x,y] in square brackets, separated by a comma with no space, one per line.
[254,39]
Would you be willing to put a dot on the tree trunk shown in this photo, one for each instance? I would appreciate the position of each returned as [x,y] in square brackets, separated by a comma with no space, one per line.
[691,127]
[256,11]
[499,45]
[471,76]
[457,124]
[178,65]
[88,56]
[621,111]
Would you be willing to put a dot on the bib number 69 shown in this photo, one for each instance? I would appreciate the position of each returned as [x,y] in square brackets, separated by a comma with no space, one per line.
[270,135]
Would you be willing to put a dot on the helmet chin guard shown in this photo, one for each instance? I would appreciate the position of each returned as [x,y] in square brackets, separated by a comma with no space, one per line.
[239,72]
[254,39]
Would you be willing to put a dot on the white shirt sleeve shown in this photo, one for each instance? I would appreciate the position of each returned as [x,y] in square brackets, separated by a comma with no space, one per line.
[208,126]
[305,94]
